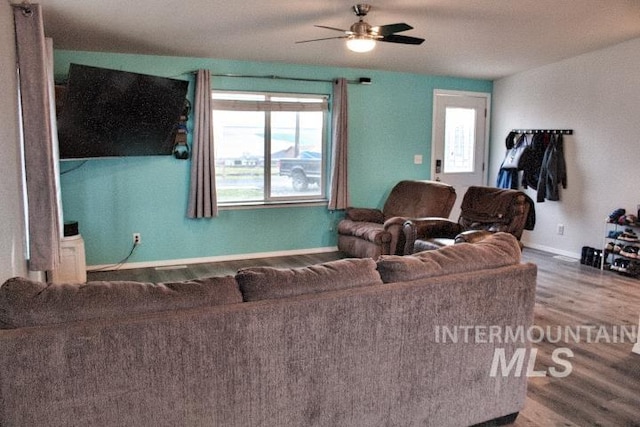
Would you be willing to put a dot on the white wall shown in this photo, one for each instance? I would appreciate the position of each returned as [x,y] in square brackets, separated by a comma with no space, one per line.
[598,96]
[12,257]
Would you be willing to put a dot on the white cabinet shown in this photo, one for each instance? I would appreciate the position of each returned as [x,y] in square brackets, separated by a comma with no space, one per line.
[72,268]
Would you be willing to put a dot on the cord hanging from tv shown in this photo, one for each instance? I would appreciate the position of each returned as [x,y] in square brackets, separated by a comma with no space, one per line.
[112,113]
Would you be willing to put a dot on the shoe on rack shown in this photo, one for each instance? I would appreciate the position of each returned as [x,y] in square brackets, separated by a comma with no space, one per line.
[629,252]
[624,266]
[616,264]
[616,214]
[628,236]
[613,248]
[613,234]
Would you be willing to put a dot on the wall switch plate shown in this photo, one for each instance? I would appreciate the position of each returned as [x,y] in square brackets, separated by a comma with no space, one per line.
[417,159]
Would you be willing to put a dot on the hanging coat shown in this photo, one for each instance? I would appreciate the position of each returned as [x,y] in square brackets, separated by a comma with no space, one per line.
[532,162]
[553,171]
[508,178]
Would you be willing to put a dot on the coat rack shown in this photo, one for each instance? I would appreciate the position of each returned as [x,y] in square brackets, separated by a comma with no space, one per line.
[551,131]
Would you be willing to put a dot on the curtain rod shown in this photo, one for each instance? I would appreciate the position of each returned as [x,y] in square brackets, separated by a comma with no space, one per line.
[360,81]
[552,131]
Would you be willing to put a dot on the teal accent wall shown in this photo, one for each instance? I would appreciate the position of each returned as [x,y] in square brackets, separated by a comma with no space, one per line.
[390,121]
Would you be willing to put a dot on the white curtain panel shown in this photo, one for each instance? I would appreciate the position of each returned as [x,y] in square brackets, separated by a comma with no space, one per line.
[39,162]
[339,190]
[203,201]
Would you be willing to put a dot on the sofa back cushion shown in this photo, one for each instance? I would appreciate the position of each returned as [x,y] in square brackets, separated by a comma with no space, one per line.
[25,303]
[497,250]
[258,283]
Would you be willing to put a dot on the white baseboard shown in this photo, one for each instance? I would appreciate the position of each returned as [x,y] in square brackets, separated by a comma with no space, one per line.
[549,249]
[255,255]
[220,258]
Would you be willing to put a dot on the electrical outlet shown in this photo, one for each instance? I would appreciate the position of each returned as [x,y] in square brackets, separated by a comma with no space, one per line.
[560,229]
[137,239]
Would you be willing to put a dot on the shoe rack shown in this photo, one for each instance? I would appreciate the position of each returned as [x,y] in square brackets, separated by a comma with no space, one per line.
[621,248]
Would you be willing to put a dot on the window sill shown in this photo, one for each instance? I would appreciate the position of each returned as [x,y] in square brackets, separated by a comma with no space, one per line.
[271,205]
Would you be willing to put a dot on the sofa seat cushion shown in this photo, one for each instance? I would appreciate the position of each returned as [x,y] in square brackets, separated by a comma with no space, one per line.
[258,283]
[25,303]
[370,231]
[497,250]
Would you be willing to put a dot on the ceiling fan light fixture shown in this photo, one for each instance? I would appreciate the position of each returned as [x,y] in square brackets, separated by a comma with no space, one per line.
[360,44]
[362,37]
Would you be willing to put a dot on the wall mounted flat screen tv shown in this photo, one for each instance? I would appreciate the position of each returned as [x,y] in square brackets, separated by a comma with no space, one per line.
[108,113]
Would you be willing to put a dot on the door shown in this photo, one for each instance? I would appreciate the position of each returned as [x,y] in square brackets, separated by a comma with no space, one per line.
[459,153]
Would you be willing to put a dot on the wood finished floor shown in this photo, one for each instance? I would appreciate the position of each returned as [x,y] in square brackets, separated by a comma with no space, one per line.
[603,388]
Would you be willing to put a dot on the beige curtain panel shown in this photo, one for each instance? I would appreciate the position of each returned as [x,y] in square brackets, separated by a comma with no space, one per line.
[40,171]
[203,201]
[339,190]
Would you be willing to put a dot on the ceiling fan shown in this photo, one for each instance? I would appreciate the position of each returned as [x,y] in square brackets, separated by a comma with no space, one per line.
[362,36]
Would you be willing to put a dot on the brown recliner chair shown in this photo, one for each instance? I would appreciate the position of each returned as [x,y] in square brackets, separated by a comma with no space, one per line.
[367,232]
[484,210]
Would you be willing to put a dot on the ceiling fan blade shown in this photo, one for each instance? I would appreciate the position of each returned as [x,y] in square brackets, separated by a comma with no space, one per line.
[385,30]
[317,40]
[393,38]
[333,28]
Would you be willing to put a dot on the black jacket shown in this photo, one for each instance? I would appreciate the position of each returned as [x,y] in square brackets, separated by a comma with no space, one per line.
[553,171]
[532,160]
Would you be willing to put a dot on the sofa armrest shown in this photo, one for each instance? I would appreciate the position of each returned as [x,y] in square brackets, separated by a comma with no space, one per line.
[427,228]
[395,221]
[364,214]
[394,227]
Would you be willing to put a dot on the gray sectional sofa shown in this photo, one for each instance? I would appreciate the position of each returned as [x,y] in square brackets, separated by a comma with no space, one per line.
[353,342]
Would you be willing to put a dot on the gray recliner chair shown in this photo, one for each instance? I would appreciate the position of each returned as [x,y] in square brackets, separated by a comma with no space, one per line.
[367,232]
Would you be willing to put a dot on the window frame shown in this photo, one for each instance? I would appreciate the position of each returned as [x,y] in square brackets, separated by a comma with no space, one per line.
[269,106]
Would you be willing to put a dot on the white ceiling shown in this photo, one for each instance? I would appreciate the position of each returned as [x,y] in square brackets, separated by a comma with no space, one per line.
[485,39]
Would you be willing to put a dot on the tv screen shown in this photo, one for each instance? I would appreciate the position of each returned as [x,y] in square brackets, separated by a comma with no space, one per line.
[109,113]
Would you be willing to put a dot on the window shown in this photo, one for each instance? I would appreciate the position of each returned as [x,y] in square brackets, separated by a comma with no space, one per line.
[459,143]
[269,148]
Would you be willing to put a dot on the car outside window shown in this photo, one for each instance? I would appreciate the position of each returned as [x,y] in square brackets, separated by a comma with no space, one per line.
[269,148]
